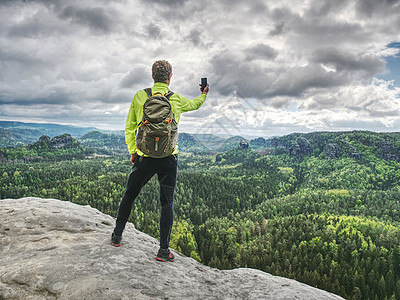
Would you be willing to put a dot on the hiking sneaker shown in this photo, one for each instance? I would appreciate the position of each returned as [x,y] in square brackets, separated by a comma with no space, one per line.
[165,255]
[116,240]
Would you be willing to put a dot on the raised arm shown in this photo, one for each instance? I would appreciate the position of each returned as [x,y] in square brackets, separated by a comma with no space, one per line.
[189,105]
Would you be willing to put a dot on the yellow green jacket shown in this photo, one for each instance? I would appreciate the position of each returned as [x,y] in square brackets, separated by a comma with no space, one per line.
[179,104]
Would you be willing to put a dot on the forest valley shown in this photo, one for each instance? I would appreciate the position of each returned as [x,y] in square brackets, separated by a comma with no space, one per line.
[321,208]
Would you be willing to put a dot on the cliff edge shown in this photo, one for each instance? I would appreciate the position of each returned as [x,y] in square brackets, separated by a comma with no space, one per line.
[52,249]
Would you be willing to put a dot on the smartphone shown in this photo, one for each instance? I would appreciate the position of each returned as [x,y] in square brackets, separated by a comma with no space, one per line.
[203,83]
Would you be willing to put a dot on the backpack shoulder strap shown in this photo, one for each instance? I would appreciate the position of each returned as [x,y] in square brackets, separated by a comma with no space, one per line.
[169,94]
[148,91]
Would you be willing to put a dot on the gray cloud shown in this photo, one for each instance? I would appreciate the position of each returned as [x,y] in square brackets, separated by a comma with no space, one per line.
[174,12]
[381,7]
[135,77]
[297,80]
[18,57]
[168,2]
[153,31]
[318,9]
[194,38]
[260,51]
[255,7]
[279,29]
[319,26]
[252,80]
[30,29]
[96,18]
[353,62]
[306,58]
[39,24]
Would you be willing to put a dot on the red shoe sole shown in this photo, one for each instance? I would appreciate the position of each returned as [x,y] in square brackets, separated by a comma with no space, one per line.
[160,259]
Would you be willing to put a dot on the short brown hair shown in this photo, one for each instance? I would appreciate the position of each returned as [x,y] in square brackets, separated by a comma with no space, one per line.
[161,70]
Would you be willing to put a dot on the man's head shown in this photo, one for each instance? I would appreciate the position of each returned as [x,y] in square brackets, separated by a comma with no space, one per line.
[162,71]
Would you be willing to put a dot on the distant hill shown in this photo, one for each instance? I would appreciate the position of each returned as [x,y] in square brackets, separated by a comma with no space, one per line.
[18,134]
[231,143]
[17,137]
[106,141]
[209,141]
[7,139]
[258,143]
[354,144]
[116,141]
[15,134]
[187,142]
[62,147]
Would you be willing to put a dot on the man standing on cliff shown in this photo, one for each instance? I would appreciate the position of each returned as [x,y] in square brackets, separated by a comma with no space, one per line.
[145,166]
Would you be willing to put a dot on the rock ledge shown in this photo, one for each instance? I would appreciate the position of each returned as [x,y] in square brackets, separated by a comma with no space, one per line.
[52,249]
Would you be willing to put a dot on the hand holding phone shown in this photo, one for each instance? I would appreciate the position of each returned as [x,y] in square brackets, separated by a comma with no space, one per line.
[204,85]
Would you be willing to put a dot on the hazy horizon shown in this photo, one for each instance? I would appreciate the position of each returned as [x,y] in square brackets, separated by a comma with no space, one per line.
[194,133]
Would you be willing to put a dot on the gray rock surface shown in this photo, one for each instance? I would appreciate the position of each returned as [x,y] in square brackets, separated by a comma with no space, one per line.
[243,145]
[388,152]
[299,148]
[332,151]
[52,249]
[62,141]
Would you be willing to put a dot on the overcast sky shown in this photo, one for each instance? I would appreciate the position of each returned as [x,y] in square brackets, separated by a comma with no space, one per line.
[274,67]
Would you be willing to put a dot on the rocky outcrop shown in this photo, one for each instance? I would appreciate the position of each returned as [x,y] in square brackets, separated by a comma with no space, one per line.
[299,148]
[388,152]
[62,142]
[278,143]
[350,150]
[42,142]
[355,155]
[304,145]
[51,249]
[58,142]
[243,145]
[332,150]
[258,143]
[295,151]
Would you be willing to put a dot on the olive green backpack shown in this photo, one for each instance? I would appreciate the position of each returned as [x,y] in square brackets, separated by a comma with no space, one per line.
[157,134]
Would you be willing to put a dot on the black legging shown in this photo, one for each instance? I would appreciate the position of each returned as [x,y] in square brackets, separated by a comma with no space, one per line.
[143,169]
